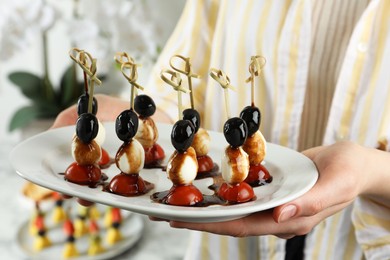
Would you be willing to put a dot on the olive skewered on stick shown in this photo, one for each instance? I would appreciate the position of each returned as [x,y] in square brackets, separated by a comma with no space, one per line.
[86,150]
[201,140]
[255,145]
[87,103]
[130,156]
[235,162]
[182,166]
[144,106]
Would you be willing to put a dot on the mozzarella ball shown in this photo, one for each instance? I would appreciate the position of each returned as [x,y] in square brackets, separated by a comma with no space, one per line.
[235,165]
[201,142]
[130,157]
[182,167]
[85,154]
[101,136]
[256,147]
[147,133]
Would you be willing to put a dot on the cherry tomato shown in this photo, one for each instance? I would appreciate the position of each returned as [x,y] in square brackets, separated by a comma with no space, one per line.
[65,196]
[83,175]
[40,223]
[183,195]
[238,193]
[85,203]
[205,164]
[154,154]
[68,228]
[105,159]
[116,215]
[93,227]
[257,175]
[127,185]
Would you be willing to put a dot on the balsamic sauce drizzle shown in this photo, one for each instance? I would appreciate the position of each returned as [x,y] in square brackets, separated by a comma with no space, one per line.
[160,197]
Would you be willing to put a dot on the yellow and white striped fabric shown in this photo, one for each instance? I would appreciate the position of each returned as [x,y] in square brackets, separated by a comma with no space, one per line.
[327,78]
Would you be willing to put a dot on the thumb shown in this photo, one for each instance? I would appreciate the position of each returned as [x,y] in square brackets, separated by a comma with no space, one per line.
[312,152]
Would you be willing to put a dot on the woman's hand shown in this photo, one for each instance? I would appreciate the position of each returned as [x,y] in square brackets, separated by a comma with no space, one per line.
[346,170]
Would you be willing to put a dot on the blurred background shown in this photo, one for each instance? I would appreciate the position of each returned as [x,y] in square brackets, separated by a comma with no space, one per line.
[36,84]
[36,35]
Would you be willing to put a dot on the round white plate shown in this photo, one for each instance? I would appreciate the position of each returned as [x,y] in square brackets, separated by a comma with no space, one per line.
[41,158]
[131,229]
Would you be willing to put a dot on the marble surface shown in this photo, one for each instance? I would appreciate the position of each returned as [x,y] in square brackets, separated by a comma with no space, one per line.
[158,241]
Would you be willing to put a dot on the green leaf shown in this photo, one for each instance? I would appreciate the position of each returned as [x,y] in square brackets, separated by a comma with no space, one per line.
[70,89]
[30,84]
[23,117]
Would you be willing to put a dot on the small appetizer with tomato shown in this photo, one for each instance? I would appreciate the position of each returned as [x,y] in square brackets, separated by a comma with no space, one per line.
[182,167]
[41,240]
[256,147]
[114,234]
[129,158]
[235,164]
[86,152]
[86,144]
[70,250]
[95,242]
[147,133]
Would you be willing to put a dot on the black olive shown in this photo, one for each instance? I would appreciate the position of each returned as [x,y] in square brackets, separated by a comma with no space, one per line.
[193,116]
[252,118]
[82,104]
[126,125]
[87,127]
[144,105]
[182,134]
[235,131]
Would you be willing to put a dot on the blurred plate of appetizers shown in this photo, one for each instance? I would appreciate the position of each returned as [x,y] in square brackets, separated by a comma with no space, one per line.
[96,244]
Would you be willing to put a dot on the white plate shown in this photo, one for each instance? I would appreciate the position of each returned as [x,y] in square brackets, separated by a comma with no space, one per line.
[40,159]
[131,229]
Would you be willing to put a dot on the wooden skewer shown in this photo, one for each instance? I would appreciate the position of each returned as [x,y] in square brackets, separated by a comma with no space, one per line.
[224,81]
[255,67]
[187,71]
[175,82]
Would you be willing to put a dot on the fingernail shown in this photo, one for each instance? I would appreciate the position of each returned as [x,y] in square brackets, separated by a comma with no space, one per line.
[287,213]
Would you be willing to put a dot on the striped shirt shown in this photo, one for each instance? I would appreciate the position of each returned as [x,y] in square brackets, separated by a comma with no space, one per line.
[326,78]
